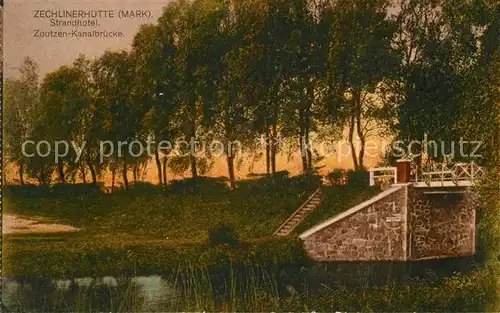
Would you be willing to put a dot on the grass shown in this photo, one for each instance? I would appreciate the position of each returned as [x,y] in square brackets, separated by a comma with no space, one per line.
[252,212]
[149,231]
[336,199]
[258,289]
[144,233]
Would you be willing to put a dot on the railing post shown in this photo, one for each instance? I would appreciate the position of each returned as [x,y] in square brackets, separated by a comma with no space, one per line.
[402,174]
[372,180]
[442,173]
[472,172]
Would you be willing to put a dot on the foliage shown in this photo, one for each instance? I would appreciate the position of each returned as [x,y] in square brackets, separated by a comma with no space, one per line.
[336,177]
[359,178]
[153,213]
[222,235]
[199,185]
[61,257]
[279,182]
[267,286]
[69,191]
[22,98]
[335,200]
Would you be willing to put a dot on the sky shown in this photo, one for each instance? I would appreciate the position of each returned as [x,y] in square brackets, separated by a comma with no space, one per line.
[20,25]
[22,20]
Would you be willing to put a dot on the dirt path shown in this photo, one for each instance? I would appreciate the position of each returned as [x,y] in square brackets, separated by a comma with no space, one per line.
[12,224]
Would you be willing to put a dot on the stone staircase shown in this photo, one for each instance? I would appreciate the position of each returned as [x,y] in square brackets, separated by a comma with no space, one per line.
[298,216]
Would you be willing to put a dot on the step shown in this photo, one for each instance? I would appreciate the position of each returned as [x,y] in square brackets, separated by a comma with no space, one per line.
[300,215]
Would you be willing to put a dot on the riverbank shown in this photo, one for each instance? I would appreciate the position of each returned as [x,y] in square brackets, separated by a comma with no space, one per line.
[12,224]
[149,232]
[255,288]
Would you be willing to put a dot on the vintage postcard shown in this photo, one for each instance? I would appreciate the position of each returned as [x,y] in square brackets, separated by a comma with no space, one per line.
[250,156]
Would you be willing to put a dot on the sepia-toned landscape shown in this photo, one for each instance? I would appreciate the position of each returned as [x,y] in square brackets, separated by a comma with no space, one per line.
[251,156]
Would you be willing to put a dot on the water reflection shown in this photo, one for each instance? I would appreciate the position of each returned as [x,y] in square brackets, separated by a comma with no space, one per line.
[211,289]
[87,294]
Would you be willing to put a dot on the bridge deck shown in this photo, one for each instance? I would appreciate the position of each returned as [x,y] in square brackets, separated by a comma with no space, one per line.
[432,184]
[433,175]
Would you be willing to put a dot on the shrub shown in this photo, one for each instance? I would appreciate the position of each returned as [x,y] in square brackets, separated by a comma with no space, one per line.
[56,190]
[358,178]
[280,175]
[223,235]
[336,177]
[280,182]
[199,185]
[141,188]
[56,259]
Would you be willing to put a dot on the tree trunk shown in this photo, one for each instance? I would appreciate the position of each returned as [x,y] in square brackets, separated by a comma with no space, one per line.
[194,171]
[230,168]
[303,154]
[124,174]
[361,135]
[307,120]
[21,173]
[192,158]
[158,167]
[113,178]
[192,153]
[268,153]
[83,173]
[60,172]
[351,143]
[307,142]
[273,149]
[92,170]
[164,173]
[362,140]
[135,173]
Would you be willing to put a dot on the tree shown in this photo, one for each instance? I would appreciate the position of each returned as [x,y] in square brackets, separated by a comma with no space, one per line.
[270,73]
[228,101]
[21,102]
[192,42]
[156,83]
[439,45]
[360,58]
[64,98]
[90,120]
[113,76]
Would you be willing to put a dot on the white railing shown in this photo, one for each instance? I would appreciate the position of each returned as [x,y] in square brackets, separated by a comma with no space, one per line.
[382,174]
[442,173]
[432,174]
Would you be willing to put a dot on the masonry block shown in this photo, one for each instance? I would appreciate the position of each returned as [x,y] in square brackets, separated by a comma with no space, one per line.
[400,224]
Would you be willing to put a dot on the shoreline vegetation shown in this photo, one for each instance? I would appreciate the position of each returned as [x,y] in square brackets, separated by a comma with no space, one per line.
[273,75]
[149,219]
[130,235]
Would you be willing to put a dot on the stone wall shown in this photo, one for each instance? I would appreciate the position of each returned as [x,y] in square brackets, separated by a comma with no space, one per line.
[402,223]
[440,225]
[374,232]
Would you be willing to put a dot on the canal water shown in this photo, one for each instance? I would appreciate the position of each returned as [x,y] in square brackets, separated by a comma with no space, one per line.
[211,289]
